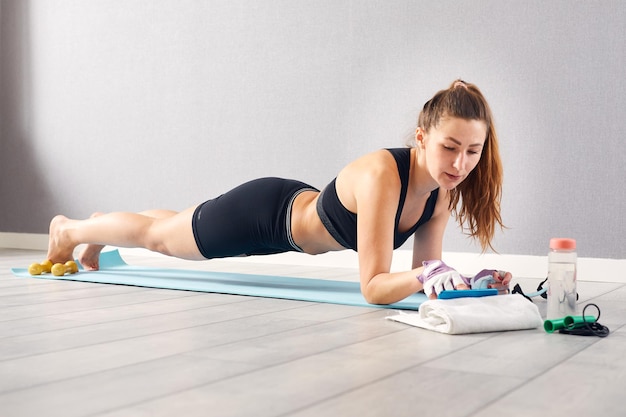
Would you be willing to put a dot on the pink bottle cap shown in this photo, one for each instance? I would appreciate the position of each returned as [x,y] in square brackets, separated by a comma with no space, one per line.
[562,243]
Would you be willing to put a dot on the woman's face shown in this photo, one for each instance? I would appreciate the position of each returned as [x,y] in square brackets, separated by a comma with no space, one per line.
[453,149]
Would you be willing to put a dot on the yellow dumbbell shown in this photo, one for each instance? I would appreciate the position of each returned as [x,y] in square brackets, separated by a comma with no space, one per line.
[68,267]
[38,269]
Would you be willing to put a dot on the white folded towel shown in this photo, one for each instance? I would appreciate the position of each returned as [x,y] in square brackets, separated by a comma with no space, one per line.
[474,315]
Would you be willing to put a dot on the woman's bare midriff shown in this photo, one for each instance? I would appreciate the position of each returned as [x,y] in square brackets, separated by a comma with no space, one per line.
[306,227]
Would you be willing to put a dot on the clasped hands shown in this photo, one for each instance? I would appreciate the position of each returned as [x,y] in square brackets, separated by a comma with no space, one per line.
[437,277]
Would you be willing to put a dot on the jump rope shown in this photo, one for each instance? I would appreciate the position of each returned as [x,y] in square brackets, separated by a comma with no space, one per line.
[584,325]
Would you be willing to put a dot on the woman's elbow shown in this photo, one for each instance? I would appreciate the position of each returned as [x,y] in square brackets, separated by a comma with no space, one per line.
[375,297]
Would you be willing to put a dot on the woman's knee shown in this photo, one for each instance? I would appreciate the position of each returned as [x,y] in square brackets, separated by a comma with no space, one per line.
[154,237]
[173,236]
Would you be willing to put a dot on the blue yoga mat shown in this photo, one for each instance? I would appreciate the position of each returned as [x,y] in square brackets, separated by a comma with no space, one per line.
[113,270]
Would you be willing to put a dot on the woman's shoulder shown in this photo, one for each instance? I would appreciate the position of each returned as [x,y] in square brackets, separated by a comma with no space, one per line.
[368,175]
[379,165]
[383,158]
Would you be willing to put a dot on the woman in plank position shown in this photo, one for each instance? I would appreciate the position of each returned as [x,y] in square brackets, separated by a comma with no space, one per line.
[373,206]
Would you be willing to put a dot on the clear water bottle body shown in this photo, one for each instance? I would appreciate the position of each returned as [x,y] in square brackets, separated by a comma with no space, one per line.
[562,260]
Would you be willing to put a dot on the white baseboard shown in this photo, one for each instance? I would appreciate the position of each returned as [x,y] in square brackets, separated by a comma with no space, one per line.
[589,269]
[30,241]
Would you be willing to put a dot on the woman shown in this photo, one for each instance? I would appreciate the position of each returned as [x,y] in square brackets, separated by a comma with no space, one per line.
[373,206]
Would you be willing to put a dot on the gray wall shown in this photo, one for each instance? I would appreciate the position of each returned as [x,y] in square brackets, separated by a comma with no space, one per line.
[129,105]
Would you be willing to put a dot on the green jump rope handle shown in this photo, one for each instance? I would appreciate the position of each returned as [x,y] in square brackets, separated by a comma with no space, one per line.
[553,325]
[573,322]
[569,322]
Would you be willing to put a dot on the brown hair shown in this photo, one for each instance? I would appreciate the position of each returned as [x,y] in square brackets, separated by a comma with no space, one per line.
[481,192]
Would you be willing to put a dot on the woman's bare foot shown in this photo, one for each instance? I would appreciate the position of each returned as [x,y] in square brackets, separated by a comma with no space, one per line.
[90,256]
[60,247]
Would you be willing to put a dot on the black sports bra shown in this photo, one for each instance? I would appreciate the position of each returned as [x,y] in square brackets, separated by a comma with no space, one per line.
[341,223]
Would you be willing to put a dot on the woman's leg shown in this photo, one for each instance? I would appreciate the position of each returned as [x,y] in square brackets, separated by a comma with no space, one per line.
[160,231]
[89,257]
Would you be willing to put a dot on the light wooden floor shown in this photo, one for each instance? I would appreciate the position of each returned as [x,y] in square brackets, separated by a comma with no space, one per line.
[77,349]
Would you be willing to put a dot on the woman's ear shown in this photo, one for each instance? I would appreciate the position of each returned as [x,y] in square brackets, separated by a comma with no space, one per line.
[419,137]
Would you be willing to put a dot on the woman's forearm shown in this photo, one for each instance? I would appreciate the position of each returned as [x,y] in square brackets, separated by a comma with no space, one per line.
[388,287]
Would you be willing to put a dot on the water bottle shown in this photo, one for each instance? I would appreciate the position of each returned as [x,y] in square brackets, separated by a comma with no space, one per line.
[561,278]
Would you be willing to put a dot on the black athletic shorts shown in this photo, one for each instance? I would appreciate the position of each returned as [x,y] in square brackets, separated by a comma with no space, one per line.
[251,219]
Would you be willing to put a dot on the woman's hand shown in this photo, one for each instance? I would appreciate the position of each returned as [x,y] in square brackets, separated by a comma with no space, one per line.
[491,278]
[437,277]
